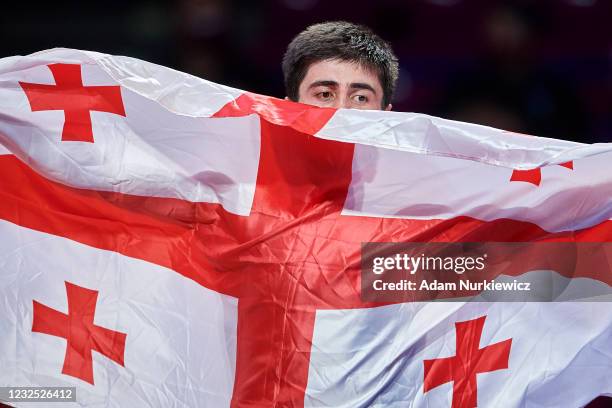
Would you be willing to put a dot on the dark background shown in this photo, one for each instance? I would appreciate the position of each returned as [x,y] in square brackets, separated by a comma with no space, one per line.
[542,67]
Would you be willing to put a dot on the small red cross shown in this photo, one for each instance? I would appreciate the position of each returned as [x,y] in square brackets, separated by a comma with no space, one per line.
[534,176]
[469,361]
[77,101]
[78,328]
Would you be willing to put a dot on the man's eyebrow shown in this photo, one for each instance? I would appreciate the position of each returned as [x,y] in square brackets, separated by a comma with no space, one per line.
[361,85]
[323,83]
[354,85]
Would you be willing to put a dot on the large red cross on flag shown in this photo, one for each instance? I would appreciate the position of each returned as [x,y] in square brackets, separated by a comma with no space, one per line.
[222,232]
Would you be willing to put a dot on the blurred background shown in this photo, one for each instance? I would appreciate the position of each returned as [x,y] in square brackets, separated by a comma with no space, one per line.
[540,67]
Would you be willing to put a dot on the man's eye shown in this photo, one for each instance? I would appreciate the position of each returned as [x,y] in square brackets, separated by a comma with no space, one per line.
[325,95]
[360,98]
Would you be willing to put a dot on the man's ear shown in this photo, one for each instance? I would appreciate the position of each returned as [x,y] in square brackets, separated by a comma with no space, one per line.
[389,107]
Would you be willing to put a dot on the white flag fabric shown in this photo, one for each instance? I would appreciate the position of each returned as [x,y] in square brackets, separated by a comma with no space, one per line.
[181,344]
[150,149]
[375,357]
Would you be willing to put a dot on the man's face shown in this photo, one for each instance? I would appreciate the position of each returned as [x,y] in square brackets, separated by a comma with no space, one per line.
[341,84]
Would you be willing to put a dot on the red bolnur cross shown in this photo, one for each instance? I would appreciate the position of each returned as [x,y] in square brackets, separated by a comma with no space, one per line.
[293,255]
[534,176]
[78,328]
[469,361]
[77,101]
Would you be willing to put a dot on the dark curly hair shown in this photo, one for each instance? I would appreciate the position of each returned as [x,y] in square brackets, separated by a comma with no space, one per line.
[339,40]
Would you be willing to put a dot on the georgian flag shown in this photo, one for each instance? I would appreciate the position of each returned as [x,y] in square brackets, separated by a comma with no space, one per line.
[167,241]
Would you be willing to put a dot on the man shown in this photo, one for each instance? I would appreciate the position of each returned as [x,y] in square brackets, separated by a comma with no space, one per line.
[340,65]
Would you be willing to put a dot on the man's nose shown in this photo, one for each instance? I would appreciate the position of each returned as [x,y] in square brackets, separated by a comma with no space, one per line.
[343,102]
